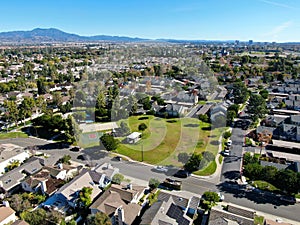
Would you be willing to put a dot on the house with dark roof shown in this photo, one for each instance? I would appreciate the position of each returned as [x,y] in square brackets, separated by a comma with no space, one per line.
[165,213]
[232,216]
[48,180]
[13,178]
[120,203]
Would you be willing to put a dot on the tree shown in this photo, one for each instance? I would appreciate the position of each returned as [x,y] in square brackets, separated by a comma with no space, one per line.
[154,183]
[209,199]
[257,106]
[100,107]
[85,197]
[230,117]
[234,108]
[240,92]
[253,171]
[12,111]
[109,142]
[41,87]
[124,129]
[36,217]
[142,127]
[98,219]
[227,134]
[57,98]
[26,108]
[287,181]
[13,164]
[204,118]
[19,204]
[193,163]
[65,159]
[118,178]
[264,93]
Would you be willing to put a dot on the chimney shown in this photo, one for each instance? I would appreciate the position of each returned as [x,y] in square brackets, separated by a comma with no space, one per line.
[44,186]
[60,166]
[129,186]
[5,203]
[120,215]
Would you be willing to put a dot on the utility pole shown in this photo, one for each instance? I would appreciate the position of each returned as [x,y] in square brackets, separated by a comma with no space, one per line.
[142,147]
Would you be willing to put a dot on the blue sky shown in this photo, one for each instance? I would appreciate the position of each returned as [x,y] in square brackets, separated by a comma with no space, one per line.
[260,20]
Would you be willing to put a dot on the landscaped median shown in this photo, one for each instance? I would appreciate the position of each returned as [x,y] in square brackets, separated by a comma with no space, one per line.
[13,135]
[168,141]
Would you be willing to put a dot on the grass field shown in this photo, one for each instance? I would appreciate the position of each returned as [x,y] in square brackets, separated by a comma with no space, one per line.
[210,169]
[13,135]
[264,185]
[164,139]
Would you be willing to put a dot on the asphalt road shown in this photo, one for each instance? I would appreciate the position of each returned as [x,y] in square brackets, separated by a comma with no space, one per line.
[263,202]
[232,163]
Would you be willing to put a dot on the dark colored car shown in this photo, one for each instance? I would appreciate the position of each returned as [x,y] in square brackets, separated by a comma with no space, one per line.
[181,174]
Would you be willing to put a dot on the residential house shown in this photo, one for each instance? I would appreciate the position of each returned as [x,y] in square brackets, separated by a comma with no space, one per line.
[119,203]
[48,180]
[167,213]
[106,171]
[10,153]
[67,195]
[7,215]
[20,222]
[232,216]
[11,180]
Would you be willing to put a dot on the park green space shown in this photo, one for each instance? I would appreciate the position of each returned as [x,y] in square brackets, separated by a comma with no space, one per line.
[13,135]
[164,139]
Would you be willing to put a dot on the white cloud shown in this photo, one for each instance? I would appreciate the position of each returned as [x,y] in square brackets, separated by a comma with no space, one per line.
[277,4]
[276,31]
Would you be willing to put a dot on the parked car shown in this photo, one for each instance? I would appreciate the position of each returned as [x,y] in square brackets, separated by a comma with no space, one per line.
[289,199]
[221,196]
[173,184]
[161,169]
[181,174]
[226,152]
[229,142]
[76,149]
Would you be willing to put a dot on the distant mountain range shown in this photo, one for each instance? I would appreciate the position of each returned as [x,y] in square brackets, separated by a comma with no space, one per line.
[39,35]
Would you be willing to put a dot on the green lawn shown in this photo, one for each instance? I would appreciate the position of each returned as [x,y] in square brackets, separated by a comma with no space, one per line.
[210,169]
[220,159]
[264,185]
[164,139]
[13,135]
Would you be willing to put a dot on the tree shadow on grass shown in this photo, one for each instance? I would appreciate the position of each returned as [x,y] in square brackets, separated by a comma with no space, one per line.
[172,121]
[143,118]
[214,142]
[191,125]
[206,128]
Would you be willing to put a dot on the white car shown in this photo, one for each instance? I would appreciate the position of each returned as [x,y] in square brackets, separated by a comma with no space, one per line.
[161,169]
[229,142]
[226,152]
[221,196]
